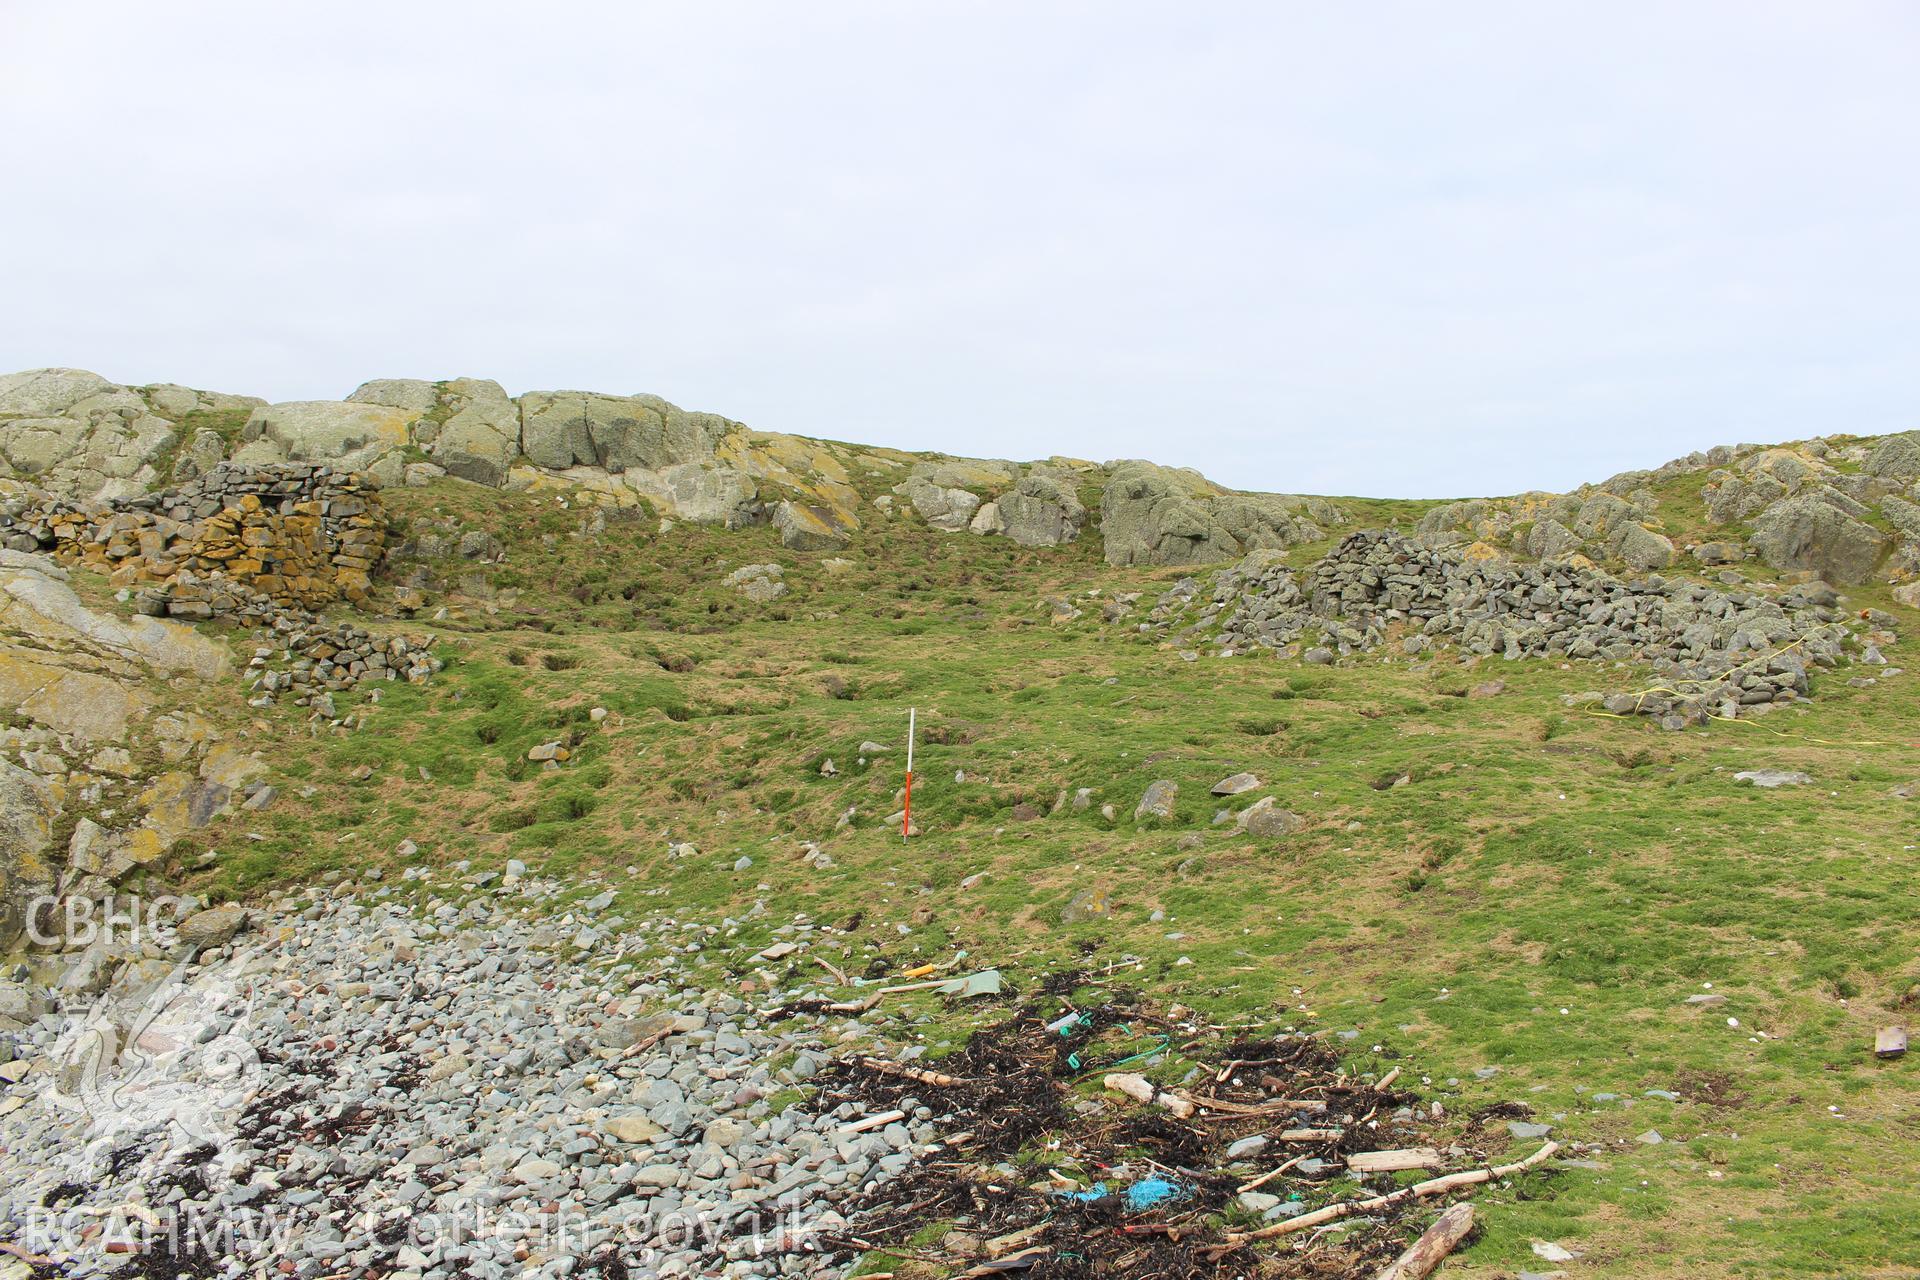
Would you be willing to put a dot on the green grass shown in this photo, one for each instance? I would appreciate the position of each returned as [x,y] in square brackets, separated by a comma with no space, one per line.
[1540,896]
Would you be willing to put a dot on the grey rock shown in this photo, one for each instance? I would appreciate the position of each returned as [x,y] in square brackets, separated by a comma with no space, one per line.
[1266,820]
[1773,778]
[1810,531]
[948,509]
[811,526]
[213,927]
[1158,800]
[1040,512]
[562,429]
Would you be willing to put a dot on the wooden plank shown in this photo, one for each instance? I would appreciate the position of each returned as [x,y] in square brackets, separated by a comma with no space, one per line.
[1394,1161]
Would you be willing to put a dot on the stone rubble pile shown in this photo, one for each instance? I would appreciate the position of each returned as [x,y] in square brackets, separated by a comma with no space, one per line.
[1716,652]
[239,541]
[430,1082]
[314,659]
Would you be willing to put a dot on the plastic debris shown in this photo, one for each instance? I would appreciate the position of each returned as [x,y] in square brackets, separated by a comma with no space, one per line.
[985,983]
[1148,1192]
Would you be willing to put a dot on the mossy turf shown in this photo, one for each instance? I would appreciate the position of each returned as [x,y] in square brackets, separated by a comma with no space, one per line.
[1485,881]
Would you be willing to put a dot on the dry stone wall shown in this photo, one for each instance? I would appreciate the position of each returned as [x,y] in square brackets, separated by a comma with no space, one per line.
[262,546]
[240,541]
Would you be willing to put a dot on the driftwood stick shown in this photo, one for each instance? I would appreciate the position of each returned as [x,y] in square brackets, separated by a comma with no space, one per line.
[1386,1080]
[1272,1107]
[1418,1191]
[880,1121]
[1270,1174]
[1426,1253]
[938,1079]
[1001,1246]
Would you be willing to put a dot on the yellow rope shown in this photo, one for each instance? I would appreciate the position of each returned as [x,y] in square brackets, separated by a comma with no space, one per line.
[1640,697]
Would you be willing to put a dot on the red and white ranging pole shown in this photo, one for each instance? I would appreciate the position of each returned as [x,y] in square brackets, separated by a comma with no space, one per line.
[906,816]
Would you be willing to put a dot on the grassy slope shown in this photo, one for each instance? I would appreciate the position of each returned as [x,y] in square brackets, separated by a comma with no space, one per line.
[1540,896]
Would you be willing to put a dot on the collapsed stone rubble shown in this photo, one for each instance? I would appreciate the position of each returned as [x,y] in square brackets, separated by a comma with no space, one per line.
[1715,651]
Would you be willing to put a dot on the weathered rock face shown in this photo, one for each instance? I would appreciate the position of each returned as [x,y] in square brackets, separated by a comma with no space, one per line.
[1903,515]
[561,429]
[35,600]
[29,806]
[1640,548]
[1154,515]
[1813,531]
[1040,511]
[809,527]
[480,436]
[349,436]
[1551,540]
[1895,457]
[77,432]
[948,509]
[416,395]
[77,715]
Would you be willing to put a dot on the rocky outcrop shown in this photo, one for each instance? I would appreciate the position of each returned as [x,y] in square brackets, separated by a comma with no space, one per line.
[562,429]
[95,782]
[75,432]
[345,435]
[82,436]
[479,436]
[1154,515]
[948,509]
[1040,511]
[1895,458]
[469,426]
[806,526]
[1807,510]
[1816,532]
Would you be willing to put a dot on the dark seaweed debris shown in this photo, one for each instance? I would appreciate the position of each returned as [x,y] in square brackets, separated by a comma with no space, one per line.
[1027,1145]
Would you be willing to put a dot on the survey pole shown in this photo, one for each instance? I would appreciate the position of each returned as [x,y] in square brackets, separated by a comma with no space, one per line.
[906,814]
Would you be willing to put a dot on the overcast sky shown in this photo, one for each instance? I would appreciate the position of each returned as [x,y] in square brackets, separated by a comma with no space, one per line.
[1412,250]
